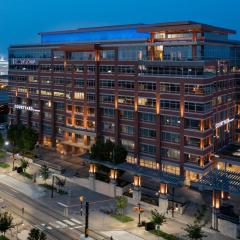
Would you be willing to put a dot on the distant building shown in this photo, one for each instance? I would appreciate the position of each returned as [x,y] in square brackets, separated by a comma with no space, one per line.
[168,92]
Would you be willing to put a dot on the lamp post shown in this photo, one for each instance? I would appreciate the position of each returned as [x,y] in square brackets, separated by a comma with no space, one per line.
[81,198]
[139,210]
[86,220]
[52,185]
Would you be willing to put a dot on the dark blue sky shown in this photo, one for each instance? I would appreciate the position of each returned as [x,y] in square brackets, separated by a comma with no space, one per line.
[21,20]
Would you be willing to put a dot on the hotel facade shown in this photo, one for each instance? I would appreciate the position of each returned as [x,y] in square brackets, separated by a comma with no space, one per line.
[168,92]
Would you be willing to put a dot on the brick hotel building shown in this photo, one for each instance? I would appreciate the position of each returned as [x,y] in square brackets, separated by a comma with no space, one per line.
[167,92]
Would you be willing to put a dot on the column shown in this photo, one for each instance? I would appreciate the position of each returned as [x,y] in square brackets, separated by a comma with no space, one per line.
[163,199]
[137,193]
[92,176]
[216,202]
[112,184]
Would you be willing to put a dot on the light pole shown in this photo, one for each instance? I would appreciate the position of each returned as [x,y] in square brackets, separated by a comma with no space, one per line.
[81,198]
[52,185]
[139,210]
[86,219]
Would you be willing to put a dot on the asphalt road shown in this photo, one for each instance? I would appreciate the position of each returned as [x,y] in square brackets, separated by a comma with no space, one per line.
[38,215]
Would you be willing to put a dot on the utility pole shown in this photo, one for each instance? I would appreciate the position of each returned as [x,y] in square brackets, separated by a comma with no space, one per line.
[86,219]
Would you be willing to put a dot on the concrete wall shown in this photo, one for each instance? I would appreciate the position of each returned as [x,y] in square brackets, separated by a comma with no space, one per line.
[228,228]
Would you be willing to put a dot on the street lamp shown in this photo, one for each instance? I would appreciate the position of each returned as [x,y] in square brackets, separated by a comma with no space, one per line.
[6,143]
[52,185]
[139,210]
[81,198]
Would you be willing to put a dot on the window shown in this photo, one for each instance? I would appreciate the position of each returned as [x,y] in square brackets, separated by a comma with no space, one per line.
[132,53]
[126,69]
[78,68]
[46,92]
[91,111]
[126,100]
[91,83]
[104,98]
[79,95]
[82,56]
[107,54]
[58,80]
[192,123]
[167,87]
[147,117]
[127,114]
[169,104]
[45,79]
[107,83]
[147,132]
[108,126]
[147,148]
[78,110]
[127,129]
[170,137]
[149,164]
[198,107]
[91,69]
[149,102]
[125,84]
[107,69]
[79,83]
[58,68]
[90,97]
[194,142]
[60,106]
[58,94]
[146,86]
[79,123]
[170,120]
[108,112]
[170,153]
[128,144]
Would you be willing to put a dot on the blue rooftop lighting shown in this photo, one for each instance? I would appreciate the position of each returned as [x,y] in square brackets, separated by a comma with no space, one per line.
[94,36]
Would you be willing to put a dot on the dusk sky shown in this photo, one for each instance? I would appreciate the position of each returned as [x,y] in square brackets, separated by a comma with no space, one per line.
[21,20]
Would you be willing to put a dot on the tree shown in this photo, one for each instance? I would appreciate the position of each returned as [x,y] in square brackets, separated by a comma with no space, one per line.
[29,139]
[121,204]
[108,151]
[44,171]
[60,182]
[36,234]
[157,218]
[120,154]
[6,222]
[1,141]
[24,164]
[194,231]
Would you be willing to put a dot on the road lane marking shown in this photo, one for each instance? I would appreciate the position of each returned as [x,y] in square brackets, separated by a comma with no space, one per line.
[69,222]
[76,221]
[48,227]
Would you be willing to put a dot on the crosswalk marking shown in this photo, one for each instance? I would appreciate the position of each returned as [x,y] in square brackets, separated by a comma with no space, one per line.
[54,225]
[76,221]
[69,222]
[65,223]
[61,223]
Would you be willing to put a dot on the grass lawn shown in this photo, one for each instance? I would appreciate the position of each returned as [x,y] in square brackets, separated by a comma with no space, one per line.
[3,238]
[163,235]
[122,218]
[2,154]
[27,175]
[4,165]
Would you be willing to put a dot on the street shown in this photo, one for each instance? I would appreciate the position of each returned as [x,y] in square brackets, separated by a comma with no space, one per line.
[54,224]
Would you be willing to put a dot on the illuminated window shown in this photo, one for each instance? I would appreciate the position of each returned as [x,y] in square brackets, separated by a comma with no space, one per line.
[79,95]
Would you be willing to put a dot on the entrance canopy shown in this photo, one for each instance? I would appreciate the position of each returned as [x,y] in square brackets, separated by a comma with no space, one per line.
[222,180]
